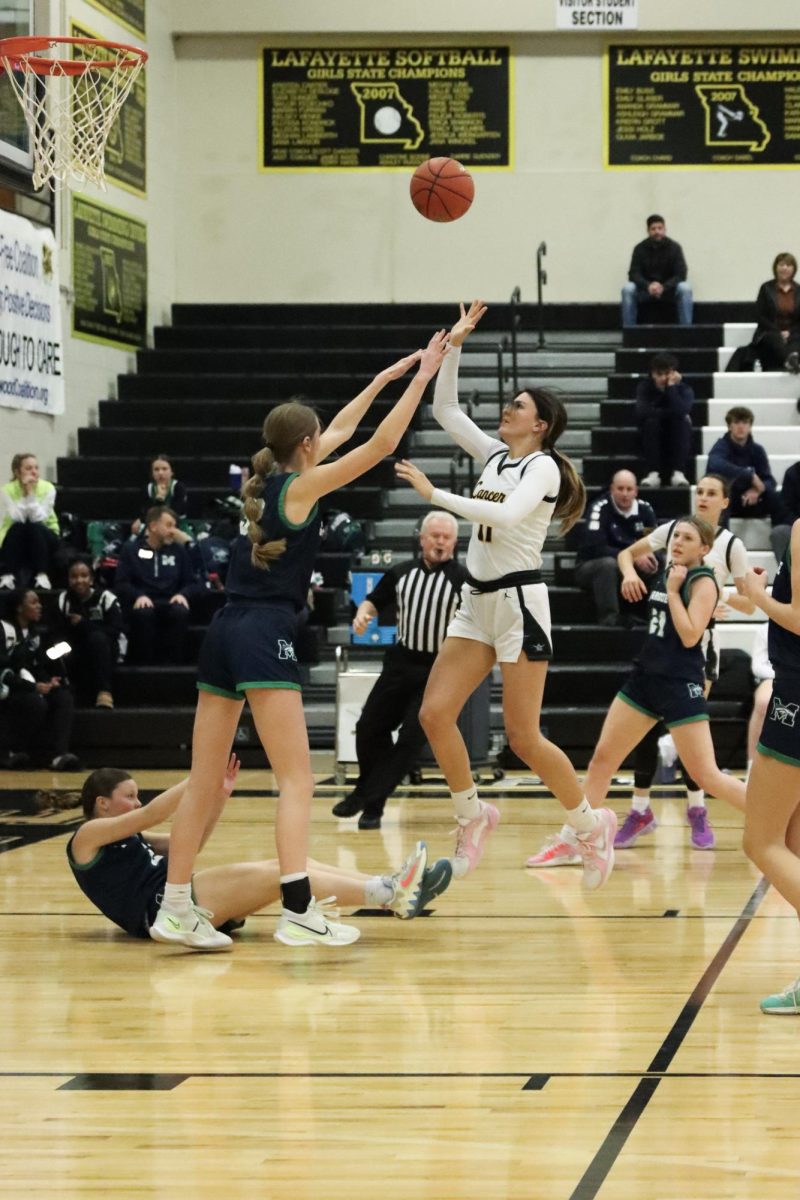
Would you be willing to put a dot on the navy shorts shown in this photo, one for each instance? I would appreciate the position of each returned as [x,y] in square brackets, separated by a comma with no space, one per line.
[249,646]
[780,733]
[675,701]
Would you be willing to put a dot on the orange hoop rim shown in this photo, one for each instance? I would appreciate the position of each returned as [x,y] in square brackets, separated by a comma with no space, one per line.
[20,53]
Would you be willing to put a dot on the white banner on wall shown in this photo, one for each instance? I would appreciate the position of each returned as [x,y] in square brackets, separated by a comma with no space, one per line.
[31,352]
[591,15]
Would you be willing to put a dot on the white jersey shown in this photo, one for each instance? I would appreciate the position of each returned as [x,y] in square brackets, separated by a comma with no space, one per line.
[513,501]
[727,557]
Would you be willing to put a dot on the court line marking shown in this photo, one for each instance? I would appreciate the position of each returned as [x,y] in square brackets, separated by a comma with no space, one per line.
[603,1162]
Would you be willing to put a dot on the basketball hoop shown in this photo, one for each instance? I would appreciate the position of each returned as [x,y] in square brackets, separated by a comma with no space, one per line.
[70,104]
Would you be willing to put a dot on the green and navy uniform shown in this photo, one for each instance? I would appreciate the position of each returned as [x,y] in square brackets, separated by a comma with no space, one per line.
[250,642]
[780,733]
[125,880]
[669,678]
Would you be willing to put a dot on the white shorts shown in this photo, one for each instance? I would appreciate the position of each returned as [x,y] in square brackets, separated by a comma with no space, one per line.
[511,620]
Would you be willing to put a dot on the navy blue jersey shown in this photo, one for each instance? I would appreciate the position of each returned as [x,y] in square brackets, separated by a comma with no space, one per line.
[783,645]
[663,652]
[122,880]
[289,576]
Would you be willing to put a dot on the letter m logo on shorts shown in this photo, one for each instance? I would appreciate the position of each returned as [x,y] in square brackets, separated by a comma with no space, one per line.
[695,690]
[785,713]
[286,650]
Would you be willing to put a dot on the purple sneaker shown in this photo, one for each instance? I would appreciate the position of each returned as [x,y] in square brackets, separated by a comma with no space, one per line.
[636,824]
[702,833]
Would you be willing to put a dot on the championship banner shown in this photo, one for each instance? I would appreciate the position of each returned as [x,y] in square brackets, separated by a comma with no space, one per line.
[362,109]
[733,106]
[130,13]
[31,353]
[109,275]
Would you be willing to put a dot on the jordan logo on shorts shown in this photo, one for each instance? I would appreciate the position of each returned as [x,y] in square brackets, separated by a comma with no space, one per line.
[785,713]
[695,691]
[286,650]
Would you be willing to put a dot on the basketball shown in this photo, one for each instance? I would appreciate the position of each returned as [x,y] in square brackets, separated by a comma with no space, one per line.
[441,189]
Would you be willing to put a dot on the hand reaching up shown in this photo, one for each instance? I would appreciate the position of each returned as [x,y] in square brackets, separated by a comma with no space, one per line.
[466,322]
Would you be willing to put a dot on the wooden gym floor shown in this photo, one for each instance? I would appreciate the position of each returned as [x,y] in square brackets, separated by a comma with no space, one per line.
[523,1040]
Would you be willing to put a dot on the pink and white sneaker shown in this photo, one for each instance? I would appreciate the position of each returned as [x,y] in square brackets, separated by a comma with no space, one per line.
[471,838]
[597,849]
[556,852]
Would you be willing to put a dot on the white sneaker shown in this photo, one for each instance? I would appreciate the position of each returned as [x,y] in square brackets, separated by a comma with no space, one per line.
[8,582]
[315,926]
[472,837]
[651,480]
[42,582]
[597,849]
[407,884]
[679,479]
[193,929]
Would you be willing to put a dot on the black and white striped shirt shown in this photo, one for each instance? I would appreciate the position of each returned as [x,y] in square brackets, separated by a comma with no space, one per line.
[426,599]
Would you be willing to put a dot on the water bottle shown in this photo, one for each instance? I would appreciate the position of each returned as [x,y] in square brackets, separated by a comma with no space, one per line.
[235,479]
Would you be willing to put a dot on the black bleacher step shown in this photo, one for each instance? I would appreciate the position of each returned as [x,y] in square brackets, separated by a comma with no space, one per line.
[392,338]
[267,388]
[623,387]
[194,472]
[620,413]
[321,359]
[673,337]
[119,504]
[617,440]
[692,360]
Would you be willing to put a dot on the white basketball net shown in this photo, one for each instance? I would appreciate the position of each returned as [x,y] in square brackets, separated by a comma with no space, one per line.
[69,116]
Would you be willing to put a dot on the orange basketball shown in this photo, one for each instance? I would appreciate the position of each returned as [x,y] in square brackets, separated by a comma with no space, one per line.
[441,189]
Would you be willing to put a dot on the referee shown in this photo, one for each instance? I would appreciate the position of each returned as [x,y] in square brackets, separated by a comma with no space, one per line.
[426,592]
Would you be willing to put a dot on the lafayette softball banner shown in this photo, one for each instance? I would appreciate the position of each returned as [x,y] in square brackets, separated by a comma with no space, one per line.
[31,353]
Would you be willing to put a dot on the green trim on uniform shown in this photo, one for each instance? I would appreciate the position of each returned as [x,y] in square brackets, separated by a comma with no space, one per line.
[282,512]
[266,683]
[687,720]
[632,704]
[215,691]
[784,758]
[691,579]
[92,861]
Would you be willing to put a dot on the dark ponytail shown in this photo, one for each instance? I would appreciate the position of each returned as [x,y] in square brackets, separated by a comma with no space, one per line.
[284,429]
[571,492]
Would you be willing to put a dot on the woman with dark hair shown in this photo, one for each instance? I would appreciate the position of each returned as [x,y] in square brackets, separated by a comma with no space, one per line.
[28,526]
[39,708]
[505,613]
[163,489]
[92,623]
[249,652]
[776,343]
[121,866]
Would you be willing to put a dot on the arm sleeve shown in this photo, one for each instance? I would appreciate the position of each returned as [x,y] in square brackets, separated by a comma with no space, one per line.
[178,499]
[594,543]
[681,398]
[635,271]
[385,590]
[766,315]
[464,432]
[677,266]
[720,464]
[541,481]
[112,613]
[762,469]
[659,536]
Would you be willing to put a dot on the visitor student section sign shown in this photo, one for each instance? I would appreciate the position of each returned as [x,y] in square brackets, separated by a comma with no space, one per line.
[372,108]
[109,274]
[712,106]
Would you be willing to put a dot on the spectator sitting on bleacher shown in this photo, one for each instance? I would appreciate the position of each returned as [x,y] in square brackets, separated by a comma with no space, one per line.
[154,581]
[37,705]
[790,499]
[163,490]
[663,415]
[657,274]
[776,343]
[91,621]
[28,526]
[744,463]
[614,521]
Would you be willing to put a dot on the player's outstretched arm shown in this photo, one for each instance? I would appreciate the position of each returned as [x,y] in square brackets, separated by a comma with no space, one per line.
[462,429]
[345,423]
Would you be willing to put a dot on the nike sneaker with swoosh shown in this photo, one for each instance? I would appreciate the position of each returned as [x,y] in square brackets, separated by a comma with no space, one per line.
[407,884]
[471,838]
[434,881]
[192,929]
[315,926]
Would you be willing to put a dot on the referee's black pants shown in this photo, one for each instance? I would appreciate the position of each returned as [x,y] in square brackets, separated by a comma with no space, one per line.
[393,703]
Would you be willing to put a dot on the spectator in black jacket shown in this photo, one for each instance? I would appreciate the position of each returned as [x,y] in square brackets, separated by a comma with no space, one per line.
[614,521]
[777,338]
[657,273]
[790,499]
[663,414]
[91,621]
[163,490]
[744,463]
[37,707]
[155,582]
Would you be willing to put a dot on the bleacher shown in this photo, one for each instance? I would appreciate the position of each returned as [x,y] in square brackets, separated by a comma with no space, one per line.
[200,396]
